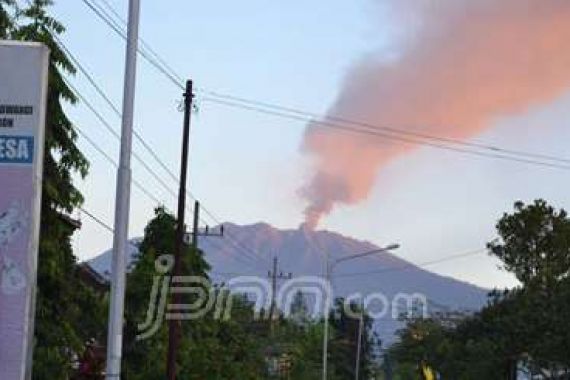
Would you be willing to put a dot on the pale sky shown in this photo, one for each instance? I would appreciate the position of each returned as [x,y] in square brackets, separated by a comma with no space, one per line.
[246,167]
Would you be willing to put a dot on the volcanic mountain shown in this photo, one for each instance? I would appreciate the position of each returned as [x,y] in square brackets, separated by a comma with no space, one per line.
[249,250]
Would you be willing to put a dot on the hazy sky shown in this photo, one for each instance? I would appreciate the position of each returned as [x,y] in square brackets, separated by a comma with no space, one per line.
[247,167]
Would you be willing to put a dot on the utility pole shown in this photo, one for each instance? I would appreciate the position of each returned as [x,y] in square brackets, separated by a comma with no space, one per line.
[195,231]
[122,202]
[192,237]
[275,276]
[174,325]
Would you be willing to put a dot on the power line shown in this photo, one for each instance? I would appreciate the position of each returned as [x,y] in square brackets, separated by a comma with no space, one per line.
[106,124]
[137,184]
[113,106]
[140,187]
[96,219]
[341,123]
[389,132]
[139,138]
[395,269]
[145,45]
[238,245]
[108,227]
[259,106]
[414,266]
[230,275]
[100,12]
[382,135]
[237,258]
[244,251]
[115,109]
[386,270]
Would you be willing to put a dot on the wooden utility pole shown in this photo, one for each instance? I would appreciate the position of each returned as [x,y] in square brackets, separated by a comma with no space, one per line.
[275,276]
[174,332]
[195,231]
[174,325]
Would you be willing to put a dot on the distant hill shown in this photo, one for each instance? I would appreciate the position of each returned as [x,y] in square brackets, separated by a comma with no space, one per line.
[249,250]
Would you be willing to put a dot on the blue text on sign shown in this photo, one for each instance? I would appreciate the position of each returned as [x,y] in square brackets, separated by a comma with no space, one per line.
[16,149]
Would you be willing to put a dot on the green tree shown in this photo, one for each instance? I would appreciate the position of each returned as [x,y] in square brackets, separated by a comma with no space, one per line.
[209,348]
[300,310]
[67,312]
[534,244]
[344,341]
[146,359]
[306,342]
[6,22]
[307,352]
[525,323]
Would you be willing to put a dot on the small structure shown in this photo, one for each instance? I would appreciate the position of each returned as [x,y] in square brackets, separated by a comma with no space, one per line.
[279,362]
[92,278]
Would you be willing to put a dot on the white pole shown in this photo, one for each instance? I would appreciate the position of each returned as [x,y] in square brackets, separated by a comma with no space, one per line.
[359,345]
[122,203]
[326,326]
[328,274]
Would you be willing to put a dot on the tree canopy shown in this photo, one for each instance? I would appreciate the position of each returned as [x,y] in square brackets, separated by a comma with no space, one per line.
[524,327]
[68,313]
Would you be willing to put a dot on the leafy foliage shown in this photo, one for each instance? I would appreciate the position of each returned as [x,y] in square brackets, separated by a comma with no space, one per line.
[209,348]
[240,347]
[68,313]
[343,347]
[6,19]
[523,325]
[534,244]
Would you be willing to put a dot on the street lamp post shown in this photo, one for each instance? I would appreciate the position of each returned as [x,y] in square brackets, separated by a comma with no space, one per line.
[329,269]
[359,345]
[122,203]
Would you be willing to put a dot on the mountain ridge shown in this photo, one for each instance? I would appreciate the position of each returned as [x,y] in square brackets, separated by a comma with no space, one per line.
[249,249]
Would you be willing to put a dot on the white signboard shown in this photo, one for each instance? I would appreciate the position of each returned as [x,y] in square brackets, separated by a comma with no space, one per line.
[23,90]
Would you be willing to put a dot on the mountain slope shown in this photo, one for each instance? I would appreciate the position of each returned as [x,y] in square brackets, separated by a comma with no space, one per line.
[249,250]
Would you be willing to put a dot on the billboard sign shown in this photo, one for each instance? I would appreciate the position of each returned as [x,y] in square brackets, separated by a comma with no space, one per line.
[23,91]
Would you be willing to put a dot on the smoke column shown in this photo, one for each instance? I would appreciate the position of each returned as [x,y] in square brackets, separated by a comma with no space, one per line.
[468,63]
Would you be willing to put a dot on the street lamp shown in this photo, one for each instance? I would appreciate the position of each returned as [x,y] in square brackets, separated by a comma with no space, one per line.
[359,344]
[329,269]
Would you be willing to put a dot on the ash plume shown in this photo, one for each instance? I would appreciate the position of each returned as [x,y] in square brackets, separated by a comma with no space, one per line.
[468,63]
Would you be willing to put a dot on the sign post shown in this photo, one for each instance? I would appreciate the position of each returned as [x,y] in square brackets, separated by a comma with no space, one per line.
[23,92]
